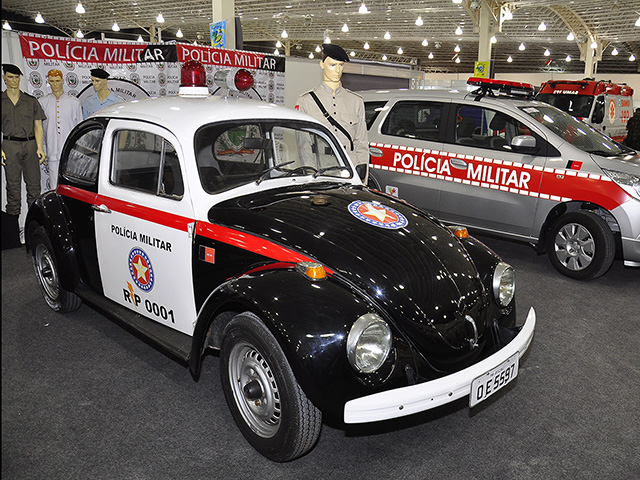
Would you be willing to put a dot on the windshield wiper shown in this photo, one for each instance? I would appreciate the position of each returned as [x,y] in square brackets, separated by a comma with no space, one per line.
[334,167]
[270,169]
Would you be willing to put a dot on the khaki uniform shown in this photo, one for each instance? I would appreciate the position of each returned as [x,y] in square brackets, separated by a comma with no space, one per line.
[347,108]
[20,148]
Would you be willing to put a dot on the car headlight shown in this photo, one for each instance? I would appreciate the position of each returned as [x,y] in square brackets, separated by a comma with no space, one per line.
[629,182]
[504,284]
[368,343]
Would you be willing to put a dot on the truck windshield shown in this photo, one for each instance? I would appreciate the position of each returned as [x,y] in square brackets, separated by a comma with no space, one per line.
[574,131]
[576,105]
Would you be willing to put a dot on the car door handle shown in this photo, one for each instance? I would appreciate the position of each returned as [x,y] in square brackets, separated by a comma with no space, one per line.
[101,208]
[457,163]
[375,152]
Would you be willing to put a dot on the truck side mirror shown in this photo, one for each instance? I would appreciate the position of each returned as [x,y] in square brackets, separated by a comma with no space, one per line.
[598,111]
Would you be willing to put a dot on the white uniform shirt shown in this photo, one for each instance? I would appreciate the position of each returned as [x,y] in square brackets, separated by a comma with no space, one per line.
[63,114]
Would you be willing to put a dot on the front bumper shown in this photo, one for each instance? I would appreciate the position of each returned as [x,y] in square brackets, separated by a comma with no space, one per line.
[425,396]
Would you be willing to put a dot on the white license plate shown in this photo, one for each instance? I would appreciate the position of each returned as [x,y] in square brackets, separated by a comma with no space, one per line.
[489,383]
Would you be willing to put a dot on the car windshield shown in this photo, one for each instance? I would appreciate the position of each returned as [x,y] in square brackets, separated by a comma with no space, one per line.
[233,154]
[576,105]
[574,131]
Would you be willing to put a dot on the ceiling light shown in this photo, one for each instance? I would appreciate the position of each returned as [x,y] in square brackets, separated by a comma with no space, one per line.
[363,9]
[571,37]
[160,18]
[638,22]
[80,8]
[542,27]
[457,59]
[140,39]
[547,52]
[632,57]
[179,34]
[425,43]
[345,28]
[594,44]
[318,49]
[430,55]
[284,34]
[276,52]
[311,55]
[459,31]
[352,53]
[278,44]
[79,34]
[568,59]
[457,1]
[6,25]
[387,36]
[509,59]
[366,45]
[115,27]
[614,51]
[457,49]
[521,47]
[419,21]
[384,57]
[327,39]
[494,39]
[508,15]
[400,51]
[39,18]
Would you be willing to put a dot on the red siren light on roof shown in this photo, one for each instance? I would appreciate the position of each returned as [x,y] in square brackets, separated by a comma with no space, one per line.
[193,79]
[234,79]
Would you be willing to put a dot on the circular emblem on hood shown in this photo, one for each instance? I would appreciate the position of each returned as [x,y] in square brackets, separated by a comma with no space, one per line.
[140,269]
[378,215]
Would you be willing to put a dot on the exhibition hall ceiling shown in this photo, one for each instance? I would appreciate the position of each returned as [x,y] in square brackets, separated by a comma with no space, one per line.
[421,34]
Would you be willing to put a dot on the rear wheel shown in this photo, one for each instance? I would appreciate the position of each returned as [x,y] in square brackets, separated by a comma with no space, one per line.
[47,273]
[581,245]
[266,402]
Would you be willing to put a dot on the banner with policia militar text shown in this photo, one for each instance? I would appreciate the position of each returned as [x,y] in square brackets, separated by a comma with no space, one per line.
[141,69]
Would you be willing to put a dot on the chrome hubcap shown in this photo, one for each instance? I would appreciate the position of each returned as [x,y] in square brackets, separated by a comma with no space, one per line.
[46,272]
[574,246]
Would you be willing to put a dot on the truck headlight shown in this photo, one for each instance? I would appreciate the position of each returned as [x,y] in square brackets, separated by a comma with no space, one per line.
[368,343]
[504,284]
[629,182]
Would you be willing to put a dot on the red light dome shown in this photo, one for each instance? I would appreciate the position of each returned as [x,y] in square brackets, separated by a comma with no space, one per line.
[192,74]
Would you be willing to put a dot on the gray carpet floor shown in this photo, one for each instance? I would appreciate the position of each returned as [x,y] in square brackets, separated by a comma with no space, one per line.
[84,399]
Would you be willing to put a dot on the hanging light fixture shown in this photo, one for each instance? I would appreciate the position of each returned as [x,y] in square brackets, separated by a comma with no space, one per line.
[571,37]
[614,52]
[352,53]
[318,49]
[493,39]
[276,52]
[594,45]
[457,49]
[547,52]
[284,34]
[366,46]
[6,25]
[387,36]
[632,57]
[79,34]
[39,18]
[160,18]
[179,34]
[311,56]
[457,59]
[115,27]
[430,56]
[459,30]
[384,57]
[345,28]
[363,9]
[425,43]
[568,59]
[457,1]
[140,39]
[327,39]
[638,22]
[79,8]
[542,27]
[419,21]
[521,47]
[509,59]
[508,15]
[400,51]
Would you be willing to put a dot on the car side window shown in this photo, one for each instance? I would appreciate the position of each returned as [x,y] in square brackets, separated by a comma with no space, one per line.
[414,119]
[371,111]
[481,127]
[146,162]
[84,157]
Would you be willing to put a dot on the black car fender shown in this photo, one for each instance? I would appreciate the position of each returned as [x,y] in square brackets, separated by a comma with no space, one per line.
[49,211]
[310,320]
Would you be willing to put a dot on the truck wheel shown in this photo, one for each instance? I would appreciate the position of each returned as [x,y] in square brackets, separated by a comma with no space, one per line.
[266,402]
[581,245]
[46,269]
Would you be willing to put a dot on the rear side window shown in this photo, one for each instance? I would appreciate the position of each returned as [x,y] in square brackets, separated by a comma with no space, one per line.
[371,112]
[146,162]
[414,119]
[84,157]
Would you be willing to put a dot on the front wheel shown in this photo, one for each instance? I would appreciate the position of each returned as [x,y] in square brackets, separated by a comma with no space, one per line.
[266,402]
[46,269]
[581,245]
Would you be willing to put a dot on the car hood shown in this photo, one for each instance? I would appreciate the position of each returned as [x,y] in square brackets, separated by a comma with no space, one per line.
[419,273]
[624,163]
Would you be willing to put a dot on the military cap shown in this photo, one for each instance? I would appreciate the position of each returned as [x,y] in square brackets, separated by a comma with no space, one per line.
[335,52]
[10,68]
[99,73]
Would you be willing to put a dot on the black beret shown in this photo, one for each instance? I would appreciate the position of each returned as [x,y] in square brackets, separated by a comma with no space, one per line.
[9,68]
[99,73]
[335,52]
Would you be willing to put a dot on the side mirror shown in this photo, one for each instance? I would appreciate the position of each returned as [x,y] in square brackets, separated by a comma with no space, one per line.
[524,144]
[598,111]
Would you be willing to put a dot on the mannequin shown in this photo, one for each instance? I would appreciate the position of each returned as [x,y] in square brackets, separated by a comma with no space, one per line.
[103,95]
[63,113]
[344,108]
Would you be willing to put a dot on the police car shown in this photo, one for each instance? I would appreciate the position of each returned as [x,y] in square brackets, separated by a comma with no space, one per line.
[496,160]
[222,223]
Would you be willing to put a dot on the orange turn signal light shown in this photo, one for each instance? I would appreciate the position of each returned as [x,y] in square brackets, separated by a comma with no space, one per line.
[312,270]
[460,232]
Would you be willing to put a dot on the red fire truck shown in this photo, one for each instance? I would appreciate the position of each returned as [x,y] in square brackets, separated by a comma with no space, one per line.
[605,105]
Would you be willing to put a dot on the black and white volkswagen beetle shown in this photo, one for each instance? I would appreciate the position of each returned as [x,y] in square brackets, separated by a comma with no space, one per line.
[223,223]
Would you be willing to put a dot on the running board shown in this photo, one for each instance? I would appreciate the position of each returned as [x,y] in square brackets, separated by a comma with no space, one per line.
[169,340]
